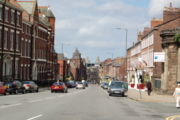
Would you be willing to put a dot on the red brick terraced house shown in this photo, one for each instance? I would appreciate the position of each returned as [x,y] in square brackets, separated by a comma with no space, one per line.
[141,54]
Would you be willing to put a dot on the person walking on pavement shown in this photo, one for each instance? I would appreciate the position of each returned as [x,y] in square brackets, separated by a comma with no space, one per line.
[149,87]
[177,96]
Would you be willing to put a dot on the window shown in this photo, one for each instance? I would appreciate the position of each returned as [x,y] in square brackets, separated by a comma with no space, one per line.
[17,41]
[18,18]
[12,40]
[7,14]
[29,48]
[0,37]
[12,16]
[25,47]
[0,12]
[5,38]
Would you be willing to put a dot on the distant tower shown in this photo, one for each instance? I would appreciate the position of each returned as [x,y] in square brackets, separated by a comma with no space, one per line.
[88,60]
[98,60]
[76,54]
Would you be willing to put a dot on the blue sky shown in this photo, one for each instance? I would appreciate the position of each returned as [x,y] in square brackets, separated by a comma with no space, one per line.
[89,24]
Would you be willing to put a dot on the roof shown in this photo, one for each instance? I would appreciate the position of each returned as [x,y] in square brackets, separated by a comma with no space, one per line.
[29,6]
[44,20]
[46,10]
[11,5]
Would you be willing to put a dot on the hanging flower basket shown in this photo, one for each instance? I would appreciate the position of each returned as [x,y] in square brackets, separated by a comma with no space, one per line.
[132,85]
[141,86]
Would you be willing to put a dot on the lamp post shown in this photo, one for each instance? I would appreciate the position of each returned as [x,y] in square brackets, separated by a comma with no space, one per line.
[126,32]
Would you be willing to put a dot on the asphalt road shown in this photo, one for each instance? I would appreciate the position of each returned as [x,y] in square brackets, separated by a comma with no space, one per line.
[93,103]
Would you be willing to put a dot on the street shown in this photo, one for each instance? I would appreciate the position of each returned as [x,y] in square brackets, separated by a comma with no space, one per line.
[93,103]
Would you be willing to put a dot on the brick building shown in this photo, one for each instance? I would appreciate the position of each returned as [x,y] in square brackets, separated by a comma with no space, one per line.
[28,45]
[141,55]
[10,36]
[113,69]
[78,66]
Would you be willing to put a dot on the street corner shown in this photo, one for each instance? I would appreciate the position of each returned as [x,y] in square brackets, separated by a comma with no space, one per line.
[174,117]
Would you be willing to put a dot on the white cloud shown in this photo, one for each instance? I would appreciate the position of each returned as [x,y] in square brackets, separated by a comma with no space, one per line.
[88,24]
[156,6]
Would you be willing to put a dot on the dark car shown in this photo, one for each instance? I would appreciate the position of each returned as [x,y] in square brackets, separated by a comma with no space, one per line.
[30,86]
[59,87]
[117,88]
[71,84]
[15,87]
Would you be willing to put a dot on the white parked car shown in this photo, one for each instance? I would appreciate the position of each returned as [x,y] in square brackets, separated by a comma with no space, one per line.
[80,85]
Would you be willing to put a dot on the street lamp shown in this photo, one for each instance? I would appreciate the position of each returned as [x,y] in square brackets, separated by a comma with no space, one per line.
[126,31]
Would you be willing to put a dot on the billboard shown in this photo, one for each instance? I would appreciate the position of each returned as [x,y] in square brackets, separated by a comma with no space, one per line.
[159,57]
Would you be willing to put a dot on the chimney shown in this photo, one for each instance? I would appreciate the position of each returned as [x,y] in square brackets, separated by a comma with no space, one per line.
[170,5]
[155,22]
[170,13]
[139,36]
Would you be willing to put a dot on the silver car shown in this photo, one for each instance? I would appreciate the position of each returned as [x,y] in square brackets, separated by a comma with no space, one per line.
[117,88]
[80,85]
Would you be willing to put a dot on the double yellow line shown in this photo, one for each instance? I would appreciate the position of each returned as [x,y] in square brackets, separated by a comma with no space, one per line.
[173,117]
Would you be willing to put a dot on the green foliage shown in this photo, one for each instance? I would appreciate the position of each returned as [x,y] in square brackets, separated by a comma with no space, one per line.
[177,37]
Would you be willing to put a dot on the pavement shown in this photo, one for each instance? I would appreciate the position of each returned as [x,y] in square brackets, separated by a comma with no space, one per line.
[142,96]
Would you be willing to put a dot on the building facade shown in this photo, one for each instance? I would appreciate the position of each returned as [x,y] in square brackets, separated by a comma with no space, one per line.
[27,41]
[141,65]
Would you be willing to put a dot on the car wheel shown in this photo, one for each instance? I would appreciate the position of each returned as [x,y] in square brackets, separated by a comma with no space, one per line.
[16,92]
[123,94]
[23,91]
[109,94]
[37,90]
[52,91]
[5,93]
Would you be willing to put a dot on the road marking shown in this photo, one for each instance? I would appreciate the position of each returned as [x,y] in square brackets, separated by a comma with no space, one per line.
[173,117]
[32,118]
[13,105]
[38,100]
[50,98]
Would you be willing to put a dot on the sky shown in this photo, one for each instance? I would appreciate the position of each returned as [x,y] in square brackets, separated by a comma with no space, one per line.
[90,25]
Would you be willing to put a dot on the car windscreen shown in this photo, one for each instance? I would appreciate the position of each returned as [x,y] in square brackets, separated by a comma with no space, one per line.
[117,85]
[26,82]
[58,83]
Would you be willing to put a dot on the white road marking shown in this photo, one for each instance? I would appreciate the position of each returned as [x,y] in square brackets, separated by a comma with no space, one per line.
[50,98]
[13,105]
[38,100]
[32,118]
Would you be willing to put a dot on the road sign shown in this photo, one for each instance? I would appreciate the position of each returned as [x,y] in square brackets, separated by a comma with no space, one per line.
[159,57]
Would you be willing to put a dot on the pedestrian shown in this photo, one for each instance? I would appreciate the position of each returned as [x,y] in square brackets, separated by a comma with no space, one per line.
[177,95]
[149,87]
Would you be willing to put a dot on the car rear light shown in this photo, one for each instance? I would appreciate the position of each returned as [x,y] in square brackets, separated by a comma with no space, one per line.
[27,85]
